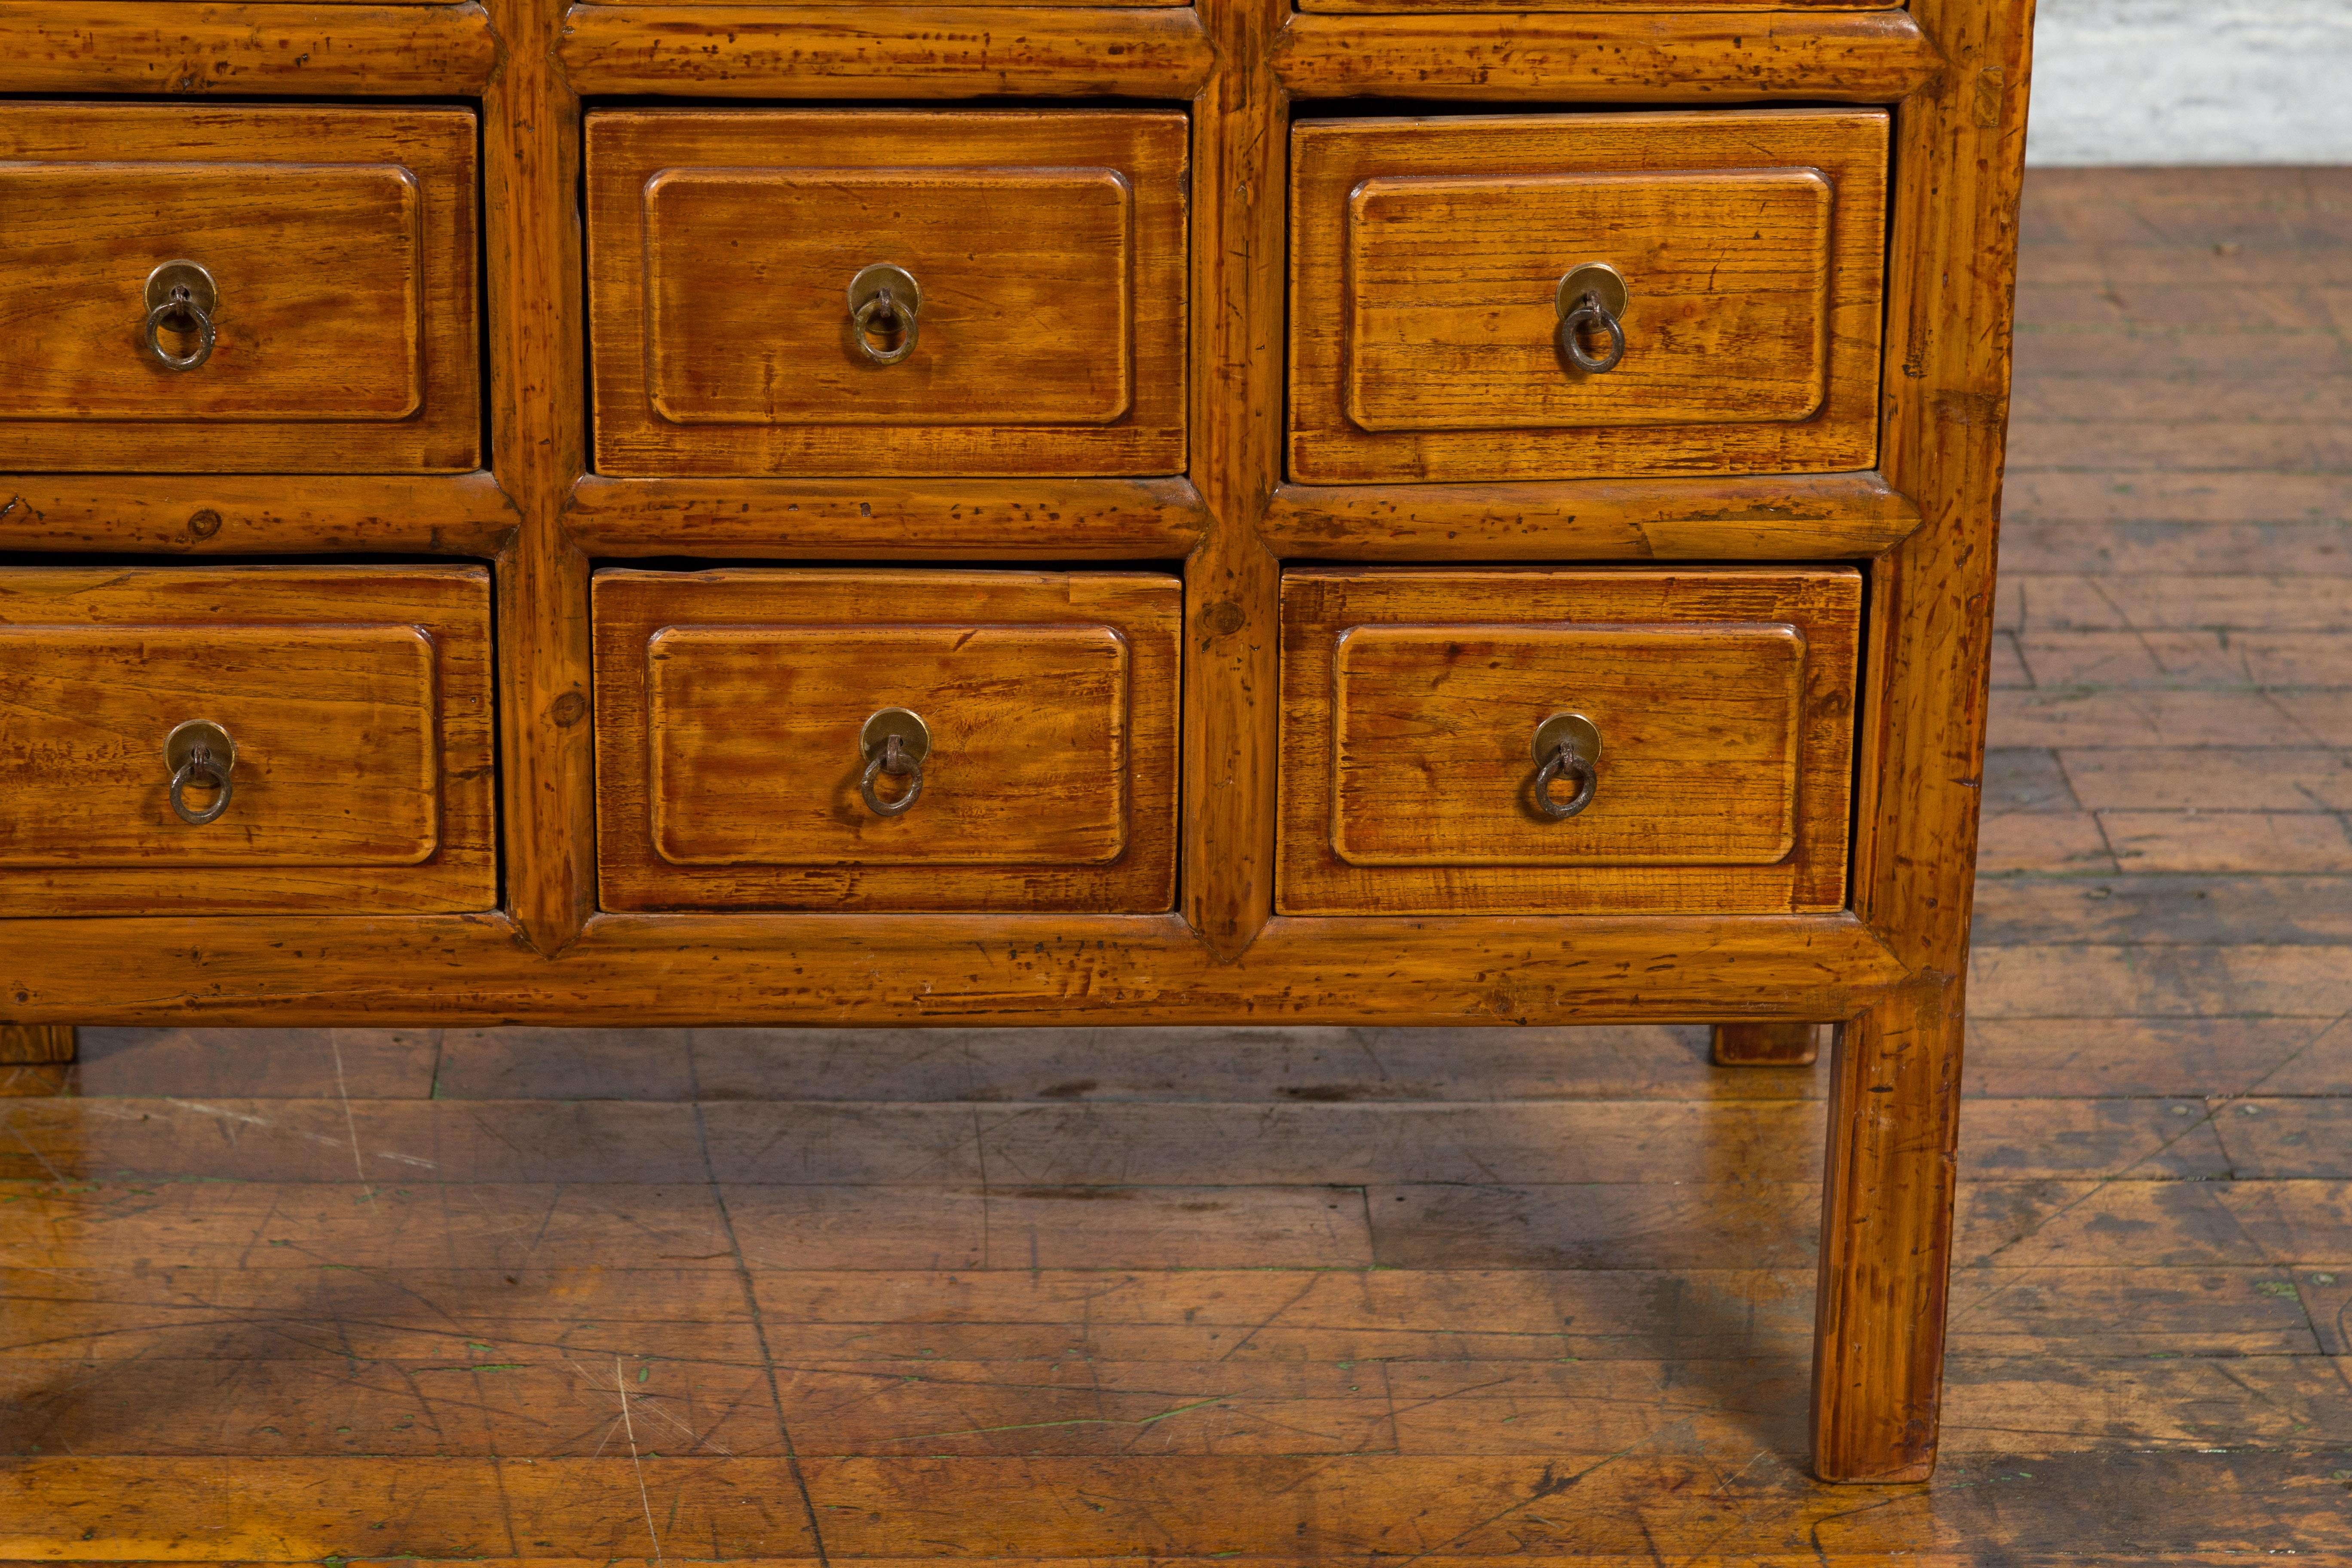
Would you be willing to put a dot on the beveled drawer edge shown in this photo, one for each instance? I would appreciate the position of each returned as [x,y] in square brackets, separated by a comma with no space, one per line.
[889,519]
[1823,517]
[899,52]
[1631,56]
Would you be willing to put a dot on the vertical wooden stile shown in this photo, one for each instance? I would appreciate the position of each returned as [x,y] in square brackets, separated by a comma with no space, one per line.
[1232,582]
[1886,1221]
[538,441]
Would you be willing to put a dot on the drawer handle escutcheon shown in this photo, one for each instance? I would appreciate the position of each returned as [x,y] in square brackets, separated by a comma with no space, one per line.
[884,298]
[1592,296]
[894,741]
[199,752]
[1567,745]
[184,290]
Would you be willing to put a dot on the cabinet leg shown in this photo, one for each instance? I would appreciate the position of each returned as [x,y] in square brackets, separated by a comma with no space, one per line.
[1886,1239]
[35,1044]
[1768,1045]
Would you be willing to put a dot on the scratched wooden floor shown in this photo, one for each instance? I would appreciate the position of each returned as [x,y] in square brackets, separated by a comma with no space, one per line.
[1342,1296]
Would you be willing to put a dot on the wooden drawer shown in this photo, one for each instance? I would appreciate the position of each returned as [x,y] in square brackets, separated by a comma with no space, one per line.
[1046,254]
[730,770]
[1428,264]
[357,701]
[1723,702]
[333,254]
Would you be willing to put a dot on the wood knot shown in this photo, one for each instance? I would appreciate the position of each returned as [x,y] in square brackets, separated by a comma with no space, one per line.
[204,524]
[568,710]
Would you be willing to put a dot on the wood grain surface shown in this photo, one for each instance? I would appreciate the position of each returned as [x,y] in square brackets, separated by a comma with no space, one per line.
[900,52]
[1887,1225]
[361,50]
[1426,256]
[1725,702]
[1612,56]
[1817,517]
[346,334]
[337,758]
[1048,247]
[1700,740]
[201,514]
[729,706]
[1453,318]
[359,701]
[886,520]
[758,754]
[531,182]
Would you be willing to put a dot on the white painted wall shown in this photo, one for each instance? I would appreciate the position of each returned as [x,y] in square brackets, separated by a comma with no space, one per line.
[2192,82]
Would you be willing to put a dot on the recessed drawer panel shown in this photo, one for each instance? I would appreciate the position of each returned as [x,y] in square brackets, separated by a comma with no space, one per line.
[886,740]
[866,292]
[1559,296]
[1572,742]
[215,290]
[244,739]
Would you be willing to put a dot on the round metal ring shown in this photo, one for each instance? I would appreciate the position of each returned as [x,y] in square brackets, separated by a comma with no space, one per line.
[1565,760]
[1589,311]
[882,305]
[200,766]
[891,758]
[180,304]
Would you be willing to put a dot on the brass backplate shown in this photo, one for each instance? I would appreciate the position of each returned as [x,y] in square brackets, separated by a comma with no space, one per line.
[1580,734]
[182,743]
[1598,278]
[186,275]
[914,735]
[874,277]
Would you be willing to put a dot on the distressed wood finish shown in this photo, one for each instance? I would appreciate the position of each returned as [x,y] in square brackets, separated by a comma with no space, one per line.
[1822,517]
[1048,246]
[1406,764]
[36,1045]
[1917,503]
[539,448]
[831,51]
[1768,1045]
[365,50]
[359,701]
[885,520]
[1232,582]
[1690,57]
[979,969]
[1886,1230]
[728,711]
[346,338]
[1426,256]
[219,514]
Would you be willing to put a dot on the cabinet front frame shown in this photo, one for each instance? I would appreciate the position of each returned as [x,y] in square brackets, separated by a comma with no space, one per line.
[1921,523]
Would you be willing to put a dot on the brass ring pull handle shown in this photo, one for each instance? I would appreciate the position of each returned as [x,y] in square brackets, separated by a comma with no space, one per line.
[183,291]
[1592,297]
[884,298]
[894,743]
[199,752]
[1567,745]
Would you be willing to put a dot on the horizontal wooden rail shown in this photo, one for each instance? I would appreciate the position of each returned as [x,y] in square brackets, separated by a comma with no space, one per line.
[889,520]
[158,46]
[884,51]
[1625,57]
[1830,516]
[917,969]
[236,514]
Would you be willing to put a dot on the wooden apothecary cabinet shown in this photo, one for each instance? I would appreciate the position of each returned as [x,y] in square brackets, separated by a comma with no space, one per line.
[1380,511]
